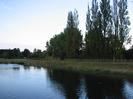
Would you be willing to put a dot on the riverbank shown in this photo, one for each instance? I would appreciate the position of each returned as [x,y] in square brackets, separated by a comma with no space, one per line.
[106,68]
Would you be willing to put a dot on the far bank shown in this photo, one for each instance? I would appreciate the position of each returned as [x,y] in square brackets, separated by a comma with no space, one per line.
[95,67]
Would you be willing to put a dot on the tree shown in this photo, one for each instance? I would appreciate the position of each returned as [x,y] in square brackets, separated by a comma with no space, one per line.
[93,38]
[94,11]
[88,19]
[128,54]
[106,20]
[106,17]
[16,53]
[57,46]
[115,36]
[69,42]
[123,22]
[26,53]
[37,53]
[88,29]
[73,35]
[48,48]
[107,29]
[115,17]
[72,19]
[121,26]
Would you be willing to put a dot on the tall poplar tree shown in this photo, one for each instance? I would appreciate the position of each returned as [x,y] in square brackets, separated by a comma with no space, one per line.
[123,21]
[73,35]
[123,27]
[106,19]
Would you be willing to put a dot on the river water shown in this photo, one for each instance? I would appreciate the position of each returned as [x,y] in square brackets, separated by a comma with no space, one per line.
[23,82]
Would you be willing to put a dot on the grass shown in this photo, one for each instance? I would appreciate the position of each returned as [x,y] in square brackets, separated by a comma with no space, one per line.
[106,68]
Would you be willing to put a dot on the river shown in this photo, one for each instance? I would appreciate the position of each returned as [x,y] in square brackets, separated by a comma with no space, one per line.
[24,82]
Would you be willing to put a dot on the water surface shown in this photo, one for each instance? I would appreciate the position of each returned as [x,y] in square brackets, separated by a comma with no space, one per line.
[22,82]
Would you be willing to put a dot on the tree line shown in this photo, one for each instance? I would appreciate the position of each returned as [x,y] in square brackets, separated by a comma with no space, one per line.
[26,53]
[107,33]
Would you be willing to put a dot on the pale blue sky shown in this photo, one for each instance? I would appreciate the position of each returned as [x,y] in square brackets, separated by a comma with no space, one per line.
[30,23]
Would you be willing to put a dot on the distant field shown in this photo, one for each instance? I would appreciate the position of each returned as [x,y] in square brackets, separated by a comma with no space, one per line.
[99,67]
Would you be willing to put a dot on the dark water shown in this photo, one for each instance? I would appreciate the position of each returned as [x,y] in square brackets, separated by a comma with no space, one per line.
[19,82]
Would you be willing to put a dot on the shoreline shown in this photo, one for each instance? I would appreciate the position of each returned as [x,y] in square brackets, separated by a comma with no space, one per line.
[112,69]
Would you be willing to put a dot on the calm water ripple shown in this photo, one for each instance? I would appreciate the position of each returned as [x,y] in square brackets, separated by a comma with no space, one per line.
[22,82]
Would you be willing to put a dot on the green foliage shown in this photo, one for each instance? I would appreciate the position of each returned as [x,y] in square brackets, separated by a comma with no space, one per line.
[93,38]
[16,53]
[121,25]
[123,21]
[106,32]
[56,46]
[73,42]
[37,53]
[106,17]
[69,42]
[26,53]
[10,53]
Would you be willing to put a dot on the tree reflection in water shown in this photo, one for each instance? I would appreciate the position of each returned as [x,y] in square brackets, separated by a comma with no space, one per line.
[76,86]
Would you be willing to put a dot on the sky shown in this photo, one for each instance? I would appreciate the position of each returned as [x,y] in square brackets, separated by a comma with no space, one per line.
[31,23]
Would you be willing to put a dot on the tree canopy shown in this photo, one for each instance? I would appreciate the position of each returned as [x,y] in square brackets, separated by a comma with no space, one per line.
[107,29]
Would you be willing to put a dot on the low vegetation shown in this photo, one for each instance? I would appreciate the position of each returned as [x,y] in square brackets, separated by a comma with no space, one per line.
[85,66]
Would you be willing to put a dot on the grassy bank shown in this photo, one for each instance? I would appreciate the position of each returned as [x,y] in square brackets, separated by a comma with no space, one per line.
[85,66]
